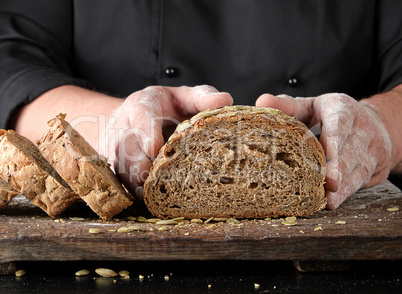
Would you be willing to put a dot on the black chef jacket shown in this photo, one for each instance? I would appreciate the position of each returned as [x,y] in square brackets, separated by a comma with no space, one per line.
[247,48]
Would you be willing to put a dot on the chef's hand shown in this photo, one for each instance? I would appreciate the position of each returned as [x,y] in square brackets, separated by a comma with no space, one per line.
[135,130]
[354,138]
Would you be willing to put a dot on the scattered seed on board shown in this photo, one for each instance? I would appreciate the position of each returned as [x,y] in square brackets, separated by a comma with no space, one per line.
[340,222]
[124,273]
[20,272]
[163,228]
[196,221]
[219,219]
[141,219]
[232,221]
[83,272]
[289,223]
[153,220]
[124,230]
[318,229]
[94,231]
[392,209]
[131,218]
[141,277]
[136,228]
[167,222]
[105,272]
[166,278]
[208,220]
[77,219]
[178,219]
[256,286]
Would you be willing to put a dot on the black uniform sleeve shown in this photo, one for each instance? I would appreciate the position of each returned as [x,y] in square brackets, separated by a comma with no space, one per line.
[35,46]
[389,33]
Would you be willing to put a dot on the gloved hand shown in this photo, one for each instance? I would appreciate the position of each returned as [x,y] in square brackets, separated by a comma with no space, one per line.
[354,138]
[135,131]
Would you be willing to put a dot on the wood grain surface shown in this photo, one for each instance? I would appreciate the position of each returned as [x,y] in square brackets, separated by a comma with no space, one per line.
[366,227]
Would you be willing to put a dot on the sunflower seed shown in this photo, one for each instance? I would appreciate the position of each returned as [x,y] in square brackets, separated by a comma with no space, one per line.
[232,221]
[208,220]
[20,272]
[153,220]
[82,272]
[141,219]
[340,222]
[124,230]
[220,219]
[77,219]
[178,218]
[94,231]
[105,272]
[135,228]
[196,221]
[163,228]
[124,273]
[167,222]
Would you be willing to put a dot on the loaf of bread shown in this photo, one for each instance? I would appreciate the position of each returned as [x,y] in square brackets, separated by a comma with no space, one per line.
[23,168]
[238,161]
[85,171]
[7,193]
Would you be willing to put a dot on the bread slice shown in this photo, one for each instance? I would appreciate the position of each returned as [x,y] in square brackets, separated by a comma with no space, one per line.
[238,161]
[24,169]
[7,193]
[87,172]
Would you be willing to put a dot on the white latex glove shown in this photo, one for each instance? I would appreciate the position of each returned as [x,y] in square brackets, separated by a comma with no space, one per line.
[135,131]
[354,138]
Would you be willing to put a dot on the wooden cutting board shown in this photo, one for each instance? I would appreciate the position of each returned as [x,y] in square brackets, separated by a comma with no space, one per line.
[367,226]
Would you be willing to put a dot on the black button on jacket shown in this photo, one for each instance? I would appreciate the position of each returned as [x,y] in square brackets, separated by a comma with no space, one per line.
[247,48]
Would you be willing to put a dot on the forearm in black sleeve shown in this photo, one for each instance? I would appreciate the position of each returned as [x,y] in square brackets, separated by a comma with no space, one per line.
[389,44]
[35,43]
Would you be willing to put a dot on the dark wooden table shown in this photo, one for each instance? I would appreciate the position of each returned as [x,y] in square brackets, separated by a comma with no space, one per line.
[366,227]
[253,256]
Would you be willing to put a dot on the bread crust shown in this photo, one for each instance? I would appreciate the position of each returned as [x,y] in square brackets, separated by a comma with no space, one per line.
[27,172]
[7,193]
[87,173]
[199,148]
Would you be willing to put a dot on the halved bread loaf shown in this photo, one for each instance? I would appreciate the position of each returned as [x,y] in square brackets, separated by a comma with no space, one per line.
[7,193]
[238,161]
[24,169]
[87,173]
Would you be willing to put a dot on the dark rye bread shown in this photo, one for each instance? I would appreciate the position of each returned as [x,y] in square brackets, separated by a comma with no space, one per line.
[238,161]
[85,171]
[24,169]
[7,193]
